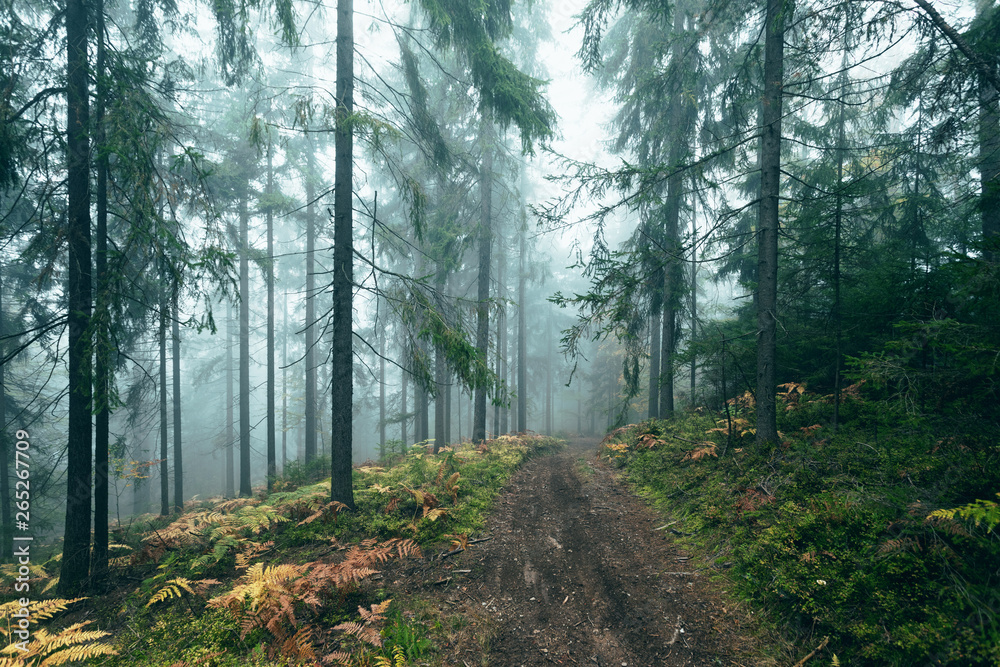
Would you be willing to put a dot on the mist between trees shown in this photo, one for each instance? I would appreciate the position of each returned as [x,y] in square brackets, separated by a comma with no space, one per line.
[252,240]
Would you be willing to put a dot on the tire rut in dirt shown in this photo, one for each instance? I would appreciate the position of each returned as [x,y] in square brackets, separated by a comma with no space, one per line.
[577,574]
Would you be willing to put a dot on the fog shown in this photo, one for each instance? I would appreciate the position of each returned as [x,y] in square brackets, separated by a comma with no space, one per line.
[606,158]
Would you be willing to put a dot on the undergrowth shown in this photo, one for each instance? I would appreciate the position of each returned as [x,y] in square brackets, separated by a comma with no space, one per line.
[278,579]
[881,535]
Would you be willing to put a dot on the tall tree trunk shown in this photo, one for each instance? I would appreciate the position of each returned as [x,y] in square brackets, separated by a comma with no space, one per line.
[421,404]
[522,342]
[230,399]
[504,371]
[341,488]
[102,332]
[245,489]
[272,463]
[548,376]
[284,385]
[381,382]
[76,546]
[440,382]
[767,239]
[404,375]
[497,408]
[440,371]
[323,388]
[837,242]
[164,469]
[310,408]
[448,387]
[654,359]
[485,248]
[694,292]
[176,356]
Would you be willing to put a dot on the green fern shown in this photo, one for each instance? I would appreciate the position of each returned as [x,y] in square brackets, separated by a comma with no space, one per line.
[398,658]
[979,512]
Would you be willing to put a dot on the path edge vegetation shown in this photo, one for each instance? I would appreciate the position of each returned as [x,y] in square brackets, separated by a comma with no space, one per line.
[880,536]
[283,577]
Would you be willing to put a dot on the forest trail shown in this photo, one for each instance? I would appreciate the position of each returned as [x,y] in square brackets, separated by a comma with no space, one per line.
[576,573]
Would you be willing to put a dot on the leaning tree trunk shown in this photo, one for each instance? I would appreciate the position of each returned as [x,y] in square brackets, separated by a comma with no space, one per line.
[341,488]
[767,240]
[245,490]
[483,295]
[76,545]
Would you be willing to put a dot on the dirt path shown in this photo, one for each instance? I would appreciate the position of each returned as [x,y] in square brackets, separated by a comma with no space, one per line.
[575,573]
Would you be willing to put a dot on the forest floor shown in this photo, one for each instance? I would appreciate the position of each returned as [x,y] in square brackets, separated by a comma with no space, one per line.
[578,571]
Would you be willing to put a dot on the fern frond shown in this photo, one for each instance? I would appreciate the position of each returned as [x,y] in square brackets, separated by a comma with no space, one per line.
[38,610]
[435,514]
[337,657]
[173,589]
[365,633]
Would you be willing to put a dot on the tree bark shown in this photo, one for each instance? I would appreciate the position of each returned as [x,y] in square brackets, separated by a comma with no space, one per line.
[654,362]
[284,385]
[837,242]
[176,357]
[245,488]
[272,462]
[694,293]
[767,240]
[548,376]
[341,488]
[402,422]
[164,451]
[483,292]
[76,545]
[381,381]
[504,368]
[440,372]
[310,407]
[230,398]
[102,332]
[522,369]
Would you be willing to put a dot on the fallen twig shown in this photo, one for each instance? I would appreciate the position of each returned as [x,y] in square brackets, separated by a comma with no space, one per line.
[822,645]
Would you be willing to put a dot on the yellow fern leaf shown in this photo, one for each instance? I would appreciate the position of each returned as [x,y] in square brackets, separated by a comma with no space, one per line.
[172,589]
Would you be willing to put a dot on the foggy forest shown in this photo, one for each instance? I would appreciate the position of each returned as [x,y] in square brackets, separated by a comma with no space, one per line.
[483,332]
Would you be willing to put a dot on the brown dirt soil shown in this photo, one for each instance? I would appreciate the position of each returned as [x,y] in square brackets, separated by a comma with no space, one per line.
[575,572]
